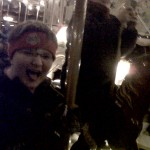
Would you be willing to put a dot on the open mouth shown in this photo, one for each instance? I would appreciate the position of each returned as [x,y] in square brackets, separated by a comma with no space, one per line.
[33,75]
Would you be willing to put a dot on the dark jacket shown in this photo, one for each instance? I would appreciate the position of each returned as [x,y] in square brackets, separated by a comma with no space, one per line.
[133,95]
[101,51]
[30,121]
[99,54]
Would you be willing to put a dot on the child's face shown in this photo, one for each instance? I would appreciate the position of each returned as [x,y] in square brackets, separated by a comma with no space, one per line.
[31,66]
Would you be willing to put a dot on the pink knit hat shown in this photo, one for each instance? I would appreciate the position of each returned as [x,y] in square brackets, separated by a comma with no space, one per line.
[32,40]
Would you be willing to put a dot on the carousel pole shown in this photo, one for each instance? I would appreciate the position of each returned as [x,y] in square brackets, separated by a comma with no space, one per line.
[44,13]
[61,13]
[1,13]
[52,14]
[73,67]
[26,12]
[19,11]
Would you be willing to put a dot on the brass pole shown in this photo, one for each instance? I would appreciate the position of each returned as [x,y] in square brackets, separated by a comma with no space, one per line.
[26,12]
[44,13]
[61,12]
[1,15]
[73,67]
[52,14]
[37,12]
[19,11]
[75,50]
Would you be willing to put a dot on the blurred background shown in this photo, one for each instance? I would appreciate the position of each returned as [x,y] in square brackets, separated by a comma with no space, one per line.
[57,13]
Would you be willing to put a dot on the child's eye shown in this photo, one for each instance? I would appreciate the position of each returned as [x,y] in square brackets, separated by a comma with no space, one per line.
[26,52]
[46,56]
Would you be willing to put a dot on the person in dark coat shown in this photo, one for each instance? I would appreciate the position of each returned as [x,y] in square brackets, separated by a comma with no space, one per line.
[31,110]
[132,97]
[105,39]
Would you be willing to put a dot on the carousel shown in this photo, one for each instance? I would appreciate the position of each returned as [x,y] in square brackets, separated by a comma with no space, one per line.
[57,14]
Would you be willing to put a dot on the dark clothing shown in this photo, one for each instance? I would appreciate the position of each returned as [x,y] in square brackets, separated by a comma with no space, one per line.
[30,121]
[4,60]
[99,57]
[133,96]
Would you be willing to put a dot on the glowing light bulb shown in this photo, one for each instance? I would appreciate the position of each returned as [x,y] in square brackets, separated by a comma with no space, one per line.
[122,70]
[30,7]
[42,3]
[8,18]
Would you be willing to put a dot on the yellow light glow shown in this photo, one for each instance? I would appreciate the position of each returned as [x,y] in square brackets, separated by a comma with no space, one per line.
[38,7]
[42,3]
[8,18]
[61,35]
[30,7]
[122,70]
[25,1]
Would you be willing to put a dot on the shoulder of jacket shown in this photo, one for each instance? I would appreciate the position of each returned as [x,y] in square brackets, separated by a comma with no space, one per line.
[3,81]
[56,91]
[48,87]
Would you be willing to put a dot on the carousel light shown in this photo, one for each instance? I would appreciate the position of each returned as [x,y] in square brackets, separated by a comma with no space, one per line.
[61,35]
[42,3]
[38,7]
[122,70]
[9,0]
[8,18]
[30,7]
[25,1]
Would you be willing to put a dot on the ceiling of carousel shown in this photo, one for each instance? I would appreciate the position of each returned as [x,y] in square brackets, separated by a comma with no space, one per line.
[57,13]
[60,11]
